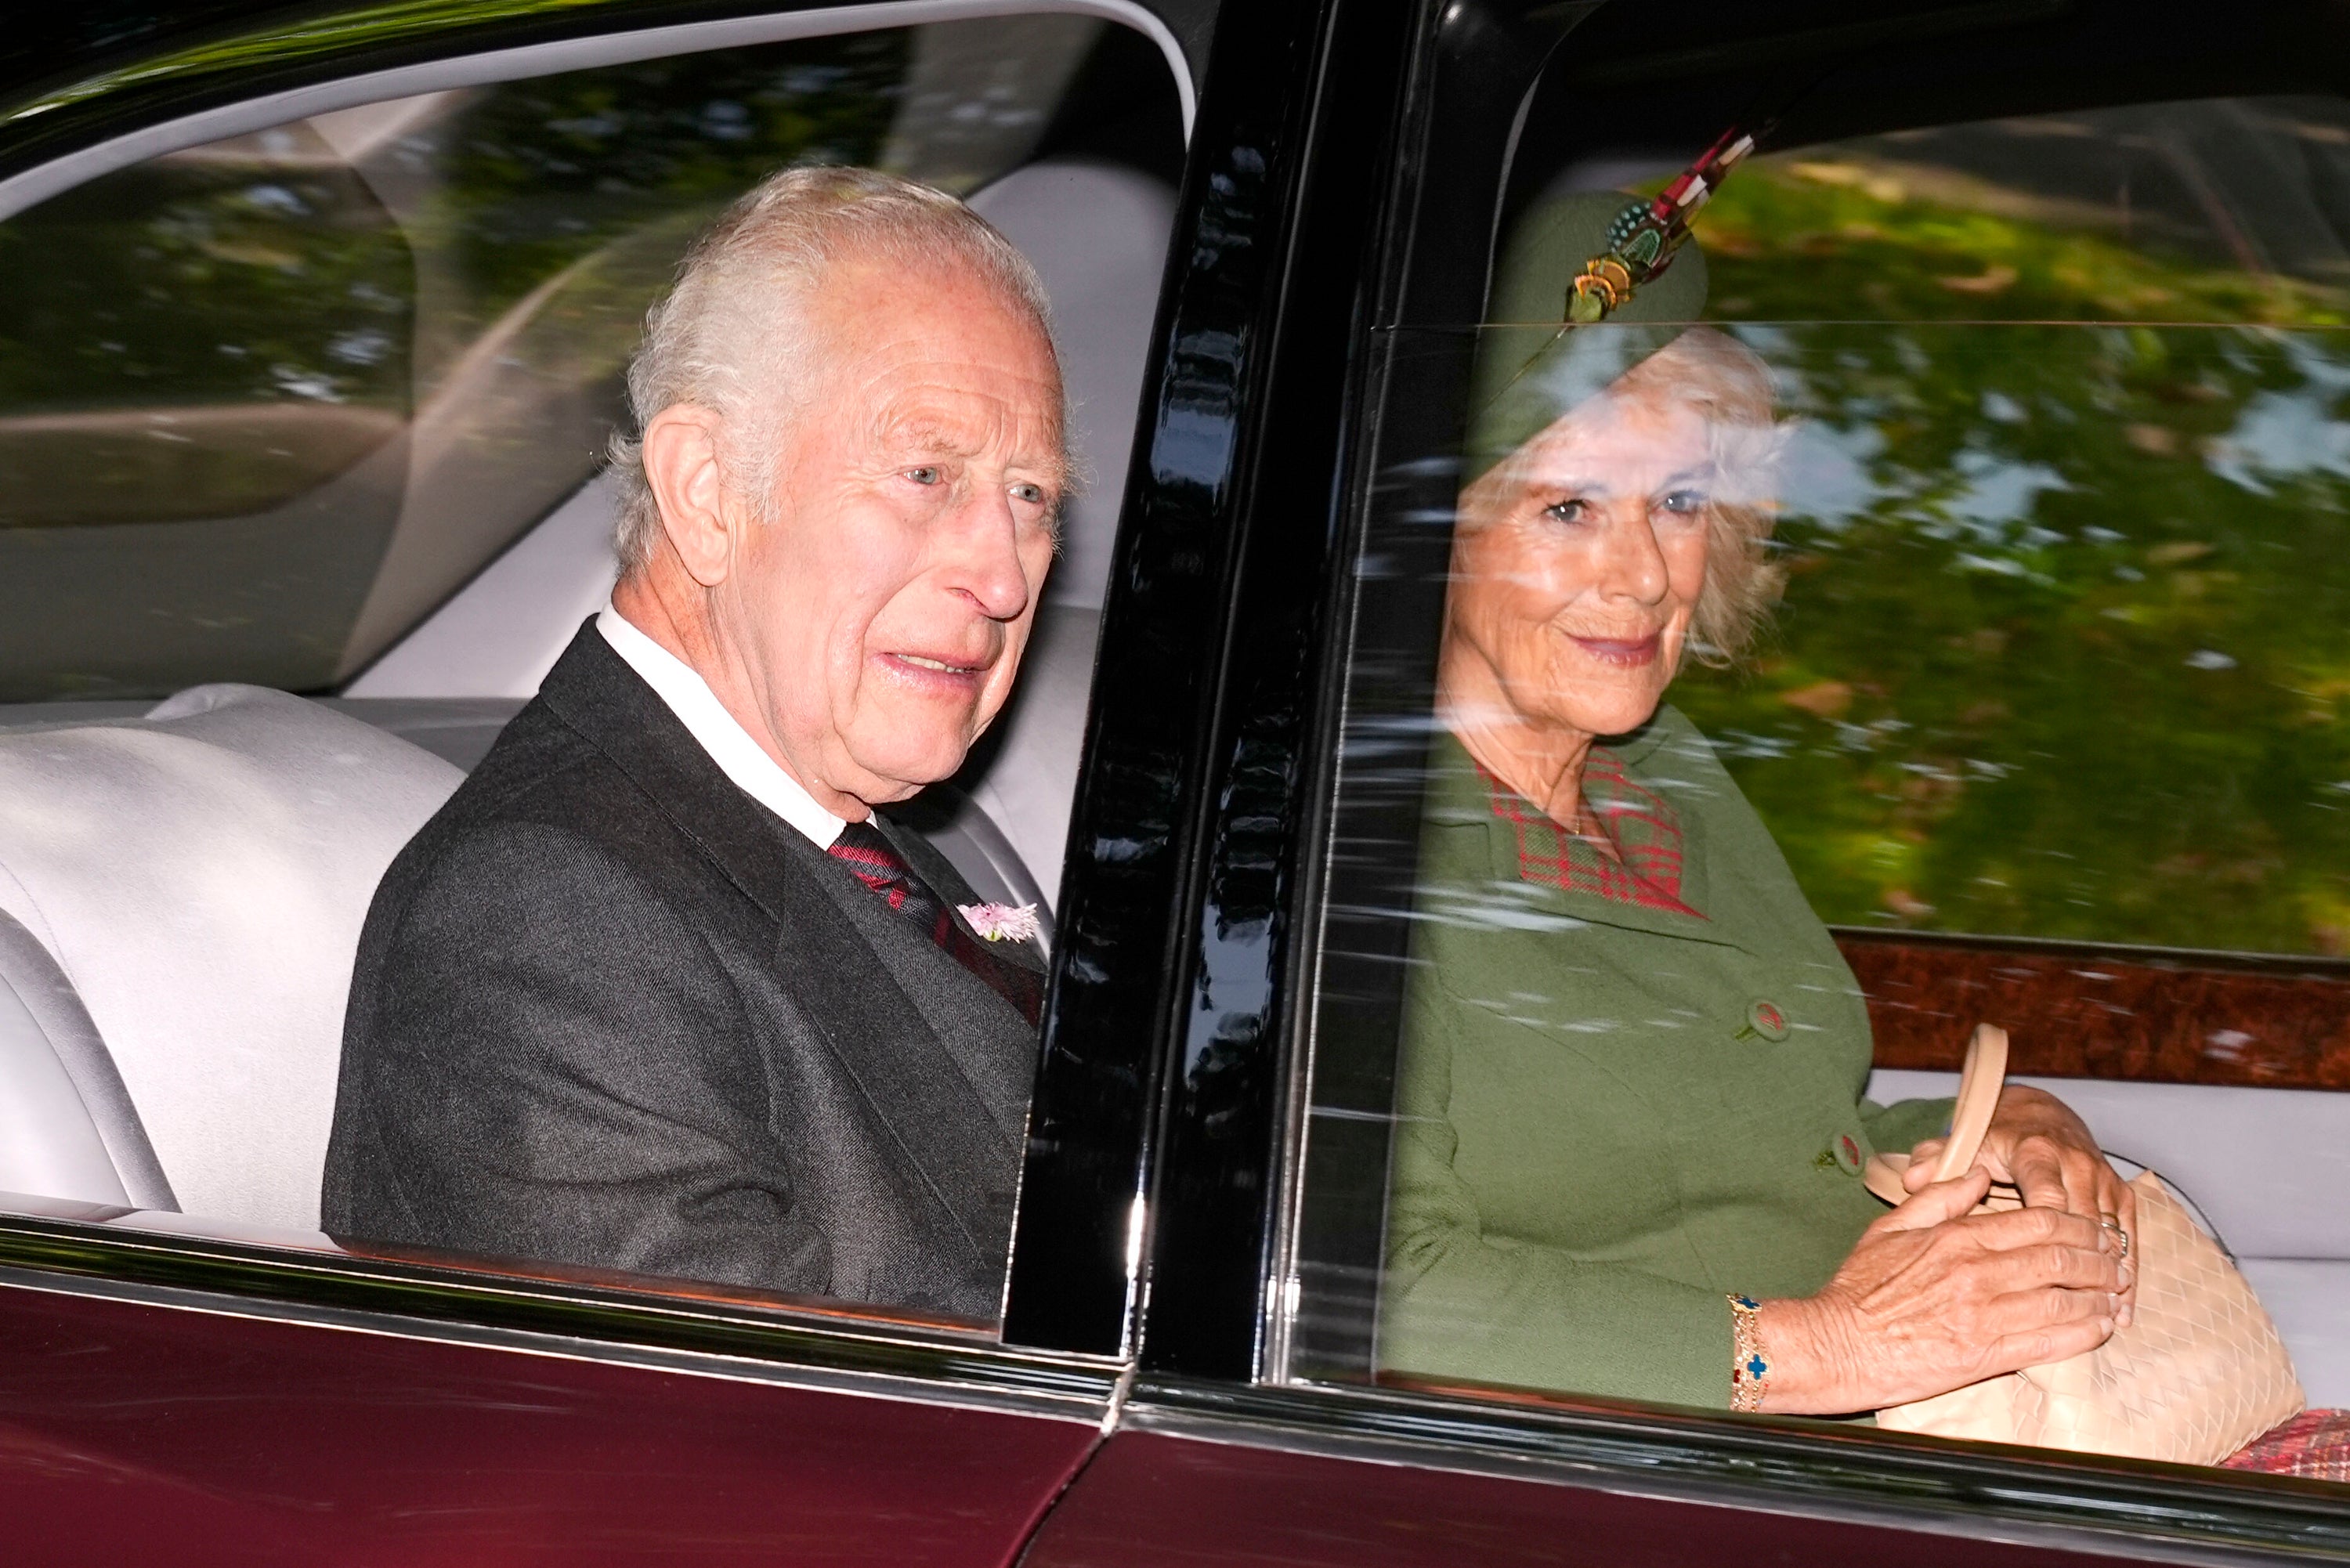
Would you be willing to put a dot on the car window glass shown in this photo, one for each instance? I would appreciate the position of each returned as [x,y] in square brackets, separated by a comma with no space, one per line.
[2037,426]
[265,402]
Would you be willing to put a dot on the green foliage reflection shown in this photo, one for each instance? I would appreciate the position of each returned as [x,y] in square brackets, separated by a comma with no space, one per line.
[2066,649]
[1830,239]
[542,174]
[226,371]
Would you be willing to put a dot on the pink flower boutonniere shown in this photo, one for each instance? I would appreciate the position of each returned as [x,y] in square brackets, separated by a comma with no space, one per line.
[1002,922]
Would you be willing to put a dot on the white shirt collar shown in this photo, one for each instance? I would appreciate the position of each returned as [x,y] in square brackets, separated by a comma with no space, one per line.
[730,745]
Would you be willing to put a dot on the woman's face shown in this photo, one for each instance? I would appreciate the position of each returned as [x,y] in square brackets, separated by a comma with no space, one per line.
[1578,566]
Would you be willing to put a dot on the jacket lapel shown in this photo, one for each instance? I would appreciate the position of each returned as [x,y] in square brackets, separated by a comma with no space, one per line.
[853,963]
[595,692]
[954,1110]
[944,880]
[969,1055]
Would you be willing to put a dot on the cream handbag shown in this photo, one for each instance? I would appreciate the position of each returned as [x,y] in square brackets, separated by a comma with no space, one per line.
[2198,1372]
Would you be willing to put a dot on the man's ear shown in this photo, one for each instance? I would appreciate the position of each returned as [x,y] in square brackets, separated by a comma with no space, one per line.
[680,457]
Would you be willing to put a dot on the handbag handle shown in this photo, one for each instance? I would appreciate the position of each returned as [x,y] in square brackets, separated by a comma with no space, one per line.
[1979,1082]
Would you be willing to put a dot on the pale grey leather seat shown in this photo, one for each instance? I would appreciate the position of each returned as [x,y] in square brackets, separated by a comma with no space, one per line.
[196,879]
[67,1128]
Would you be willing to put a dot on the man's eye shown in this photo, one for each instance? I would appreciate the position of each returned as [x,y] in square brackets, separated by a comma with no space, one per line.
[1685,501]
[1574,509]
[926,475]
[1033,494]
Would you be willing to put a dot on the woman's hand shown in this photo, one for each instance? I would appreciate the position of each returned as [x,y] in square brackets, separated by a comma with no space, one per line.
[2038,1146]
[1934,1297]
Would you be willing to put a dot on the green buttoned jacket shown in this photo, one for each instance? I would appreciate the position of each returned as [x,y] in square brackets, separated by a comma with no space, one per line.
[1608,1116]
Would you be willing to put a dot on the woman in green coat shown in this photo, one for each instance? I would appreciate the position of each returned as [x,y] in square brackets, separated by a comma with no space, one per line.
[1631,1128]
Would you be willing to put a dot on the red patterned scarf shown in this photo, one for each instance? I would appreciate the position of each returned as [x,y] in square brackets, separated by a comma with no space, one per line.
[1627,848]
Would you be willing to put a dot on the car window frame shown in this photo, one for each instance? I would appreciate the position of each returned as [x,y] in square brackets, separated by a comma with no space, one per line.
[1224,1382]
[142,110]
[144,128]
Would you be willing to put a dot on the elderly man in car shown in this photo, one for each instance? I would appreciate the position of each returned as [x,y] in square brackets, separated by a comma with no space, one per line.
[661,988]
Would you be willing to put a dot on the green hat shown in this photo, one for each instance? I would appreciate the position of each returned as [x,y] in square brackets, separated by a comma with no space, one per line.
[1532,366]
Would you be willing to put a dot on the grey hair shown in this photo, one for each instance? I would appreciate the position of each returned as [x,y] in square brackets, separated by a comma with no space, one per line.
[1729,386]
[732,334]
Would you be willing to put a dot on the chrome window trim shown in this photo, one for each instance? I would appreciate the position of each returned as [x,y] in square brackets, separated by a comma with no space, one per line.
[453,1305]
[517,63]
[1806,1469]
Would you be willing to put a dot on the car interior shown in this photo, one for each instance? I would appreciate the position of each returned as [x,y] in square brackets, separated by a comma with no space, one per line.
[183,882]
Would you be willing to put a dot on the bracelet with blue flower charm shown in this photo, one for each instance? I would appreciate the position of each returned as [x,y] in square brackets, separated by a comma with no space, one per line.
[1749,1366]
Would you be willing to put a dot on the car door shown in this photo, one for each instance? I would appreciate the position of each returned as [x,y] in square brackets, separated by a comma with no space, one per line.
[312,355]
[1316,421]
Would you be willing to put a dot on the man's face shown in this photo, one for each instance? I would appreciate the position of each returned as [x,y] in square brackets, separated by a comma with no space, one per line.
[882,608]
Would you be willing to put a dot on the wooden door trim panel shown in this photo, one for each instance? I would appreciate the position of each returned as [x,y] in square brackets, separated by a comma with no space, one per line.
[2079,1009]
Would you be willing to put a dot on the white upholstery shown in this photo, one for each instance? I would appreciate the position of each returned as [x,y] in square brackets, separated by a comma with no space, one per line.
[2268,1169]
[67,1128]
[503,630]
[49,1143]
[2310,1300]
[1098,236]
[1028,783]
[200,874]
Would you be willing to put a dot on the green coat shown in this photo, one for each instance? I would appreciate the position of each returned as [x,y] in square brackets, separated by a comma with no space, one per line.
[1610,1116]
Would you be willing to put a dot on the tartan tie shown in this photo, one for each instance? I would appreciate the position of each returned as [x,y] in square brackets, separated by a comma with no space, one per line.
[874,861]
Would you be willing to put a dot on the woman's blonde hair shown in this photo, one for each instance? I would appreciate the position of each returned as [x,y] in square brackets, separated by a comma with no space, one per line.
[1730,387]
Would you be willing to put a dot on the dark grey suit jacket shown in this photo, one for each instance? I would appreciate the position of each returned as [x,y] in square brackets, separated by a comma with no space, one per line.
[609,1010]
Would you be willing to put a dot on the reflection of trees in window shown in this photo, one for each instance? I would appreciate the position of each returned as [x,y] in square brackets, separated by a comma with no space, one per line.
[2227,211]
[547,216]
[101,281]
[314,377]
[2067,649]
[207,334]
[534,176]
[539,176]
